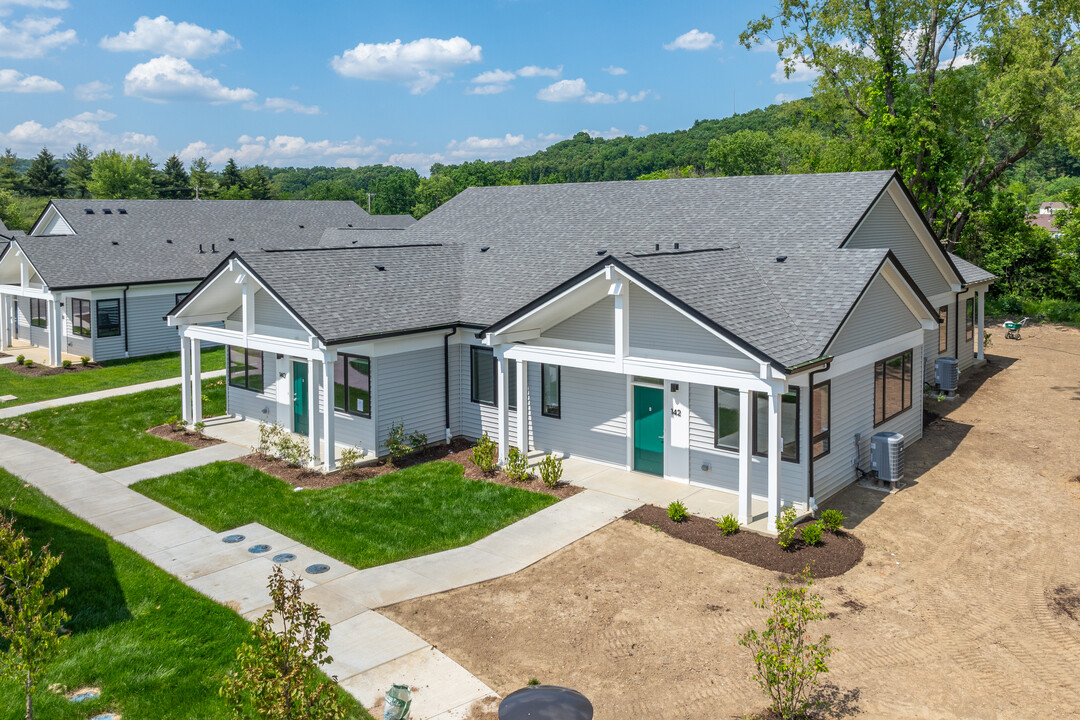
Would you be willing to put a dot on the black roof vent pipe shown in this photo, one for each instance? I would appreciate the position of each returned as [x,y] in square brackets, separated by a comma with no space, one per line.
[781,258]
[201,251]
[213,248]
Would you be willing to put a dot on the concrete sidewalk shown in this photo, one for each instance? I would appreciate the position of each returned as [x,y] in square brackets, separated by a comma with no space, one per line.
[370,651]
[15,410]
[176,463]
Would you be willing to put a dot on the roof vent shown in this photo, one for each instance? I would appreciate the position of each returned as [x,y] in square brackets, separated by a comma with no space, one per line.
[201,251]
[676,246]
[169,241]
[88,211]
[781,258]
[107,211]
[350,224]
[601,252]
[657,247]
[122,211]
[485,248]
[213,248]
[232,239]
[380,268]
[115,243]
[301,227]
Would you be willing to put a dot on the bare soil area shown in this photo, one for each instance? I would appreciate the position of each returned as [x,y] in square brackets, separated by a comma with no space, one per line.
[965,604]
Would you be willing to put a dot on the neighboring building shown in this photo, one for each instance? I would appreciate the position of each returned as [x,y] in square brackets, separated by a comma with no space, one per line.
[1046,219]
[676,327]
[95,278]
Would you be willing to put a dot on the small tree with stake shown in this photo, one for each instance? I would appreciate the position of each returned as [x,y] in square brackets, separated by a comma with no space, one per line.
[787,662]
[279,670]
[28,622]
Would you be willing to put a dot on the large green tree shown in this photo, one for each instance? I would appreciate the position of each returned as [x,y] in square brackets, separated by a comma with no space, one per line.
[44,176]
[202,178]
[79,169]
[952,93]
[231,177]
[176,181]
[116,175]
[9,173]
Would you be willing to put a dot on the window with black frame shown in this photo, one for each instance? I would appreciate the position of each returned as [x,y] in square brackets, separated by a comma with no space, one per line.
[352,385]
[892,386]
[108,318]
[39,313]
[551,390]
[726,421]
[246,369]
[511,371]
[943,329]
[789,425]
[821,437]
[80,317]
[482,375]
[969,319]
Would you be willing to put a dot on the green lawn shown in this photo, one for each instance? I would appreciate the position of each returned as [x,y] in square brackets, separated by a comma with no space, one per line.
[155,648]
[415,511]
[108,434]
[113,373]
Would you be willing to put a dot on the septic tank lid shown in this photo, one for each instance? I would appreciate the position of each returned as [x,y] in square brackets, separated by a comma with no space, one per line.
[545,702]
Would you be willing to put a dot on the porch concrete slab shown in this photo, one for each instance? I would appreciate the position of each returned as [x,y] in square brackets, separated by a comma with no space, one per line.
[133,518]
[574,470]
[715,504]
[461,566]
[384,585]
[176,463]
[235,430]
[637,486]
[162,536]
[242,587]
[366,641]
[439,685]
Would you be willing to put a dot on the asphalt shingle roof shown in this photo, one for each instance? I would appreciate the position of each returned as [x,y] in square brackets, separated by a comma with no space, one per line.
[970,272]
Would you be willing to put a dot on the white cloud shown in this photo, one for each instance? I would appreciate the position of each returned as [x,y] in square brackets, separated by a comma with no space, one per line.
[784,97]
[577,90]
[6,5]
[420,65]
[33,37]
[536,71]
[494,76]
[765,45]
[487,89]
[169,78]
[640,95]
[603,98]
[800,72]
[14,81]
[614,70]
[474,148]
[94,90]
[288,149]
[161,35]
[694,40]
[642,129]
[280,105]
[28,137]
[612,132]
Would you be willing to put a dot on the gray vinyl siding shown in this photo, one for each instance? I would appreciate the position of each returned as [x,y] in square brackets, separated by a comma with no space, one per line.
[257,406]
[853,412]
[967,347]
[349,430]
[723,472]
[147,332]
[475,419]
[269,311]
[80,344]
[37,336]
[885,227]
[409,389]
[595,324]
[930,339]
[880,315]
[654,325]
[593,422]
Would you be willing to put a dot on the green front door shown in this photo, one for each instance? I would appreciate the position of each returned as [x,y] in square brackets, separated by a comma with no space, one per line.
[649,430]
[299,398]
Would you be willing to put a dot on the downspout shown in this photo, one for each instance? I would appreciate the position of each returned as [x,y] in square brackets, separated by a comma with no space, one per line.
[125,322]
[446,379]
[956,329]
[811,505]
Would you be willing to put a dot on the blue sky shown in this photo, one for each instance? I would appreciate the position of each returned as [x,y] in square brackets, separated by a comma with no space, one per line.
[348,83]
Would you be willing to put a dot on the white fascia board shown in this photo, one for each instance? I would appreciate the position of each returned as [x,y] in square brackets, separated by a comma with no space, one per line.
[526,321]
[28,292]
[265,343]
[933,248]
[862,357]
[908,296]
[52,217]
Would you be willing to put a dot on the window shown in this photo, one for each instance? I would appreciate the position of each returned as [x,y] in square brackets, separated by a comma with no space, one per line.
[180,298]
[39,313]
[969,320]
[820,437]
[789,425]
[892,386]
[511,370]
[246,369]
[943,329]
[726,418]
[108,318]
[352,385]
[482,370]
[550,390]
[80,317]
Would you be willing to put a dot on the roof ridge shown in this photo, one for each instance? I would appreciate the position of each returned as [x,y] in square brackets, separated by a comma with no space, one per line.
[352,247]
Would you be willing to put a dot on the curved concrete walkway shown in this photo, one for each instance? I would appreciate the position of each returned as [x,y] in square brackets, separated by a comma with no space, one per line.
[370,651]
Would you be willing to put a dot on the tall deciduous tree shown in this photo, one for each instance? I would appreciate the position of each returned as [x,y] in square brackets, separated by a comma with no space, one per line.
[10,216]
[79,169]
[116,175]
[44,176]
[202,178]
[952,93]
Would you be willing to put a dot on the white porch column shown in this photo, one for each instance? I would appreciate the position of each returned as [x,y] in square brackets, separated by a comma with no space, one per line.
[196,381]
[502,401]
[979,328]
[313,408]
[328,416]
[746,428]
[523,406]
[185,376]
[774,450]
[55,332]
[5,321]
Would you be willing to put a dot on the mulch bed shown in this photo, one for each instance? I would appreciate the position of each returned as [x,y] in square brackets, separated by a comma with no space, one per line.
[458,451]
[834,556]
[43,370]
[187,437]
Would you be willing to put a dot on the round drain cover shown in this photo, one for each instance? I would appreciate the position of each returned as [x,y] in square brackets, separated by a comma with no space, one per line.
[318,569]
[106,716]
[84,695]
[547,701]
[256,549]
[284,557]
[233,538]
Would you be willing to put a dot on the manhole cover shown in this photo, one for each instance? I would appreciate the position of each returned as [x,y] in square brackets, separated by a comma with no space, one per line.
[318,569]
[284,557]
[260,548]
[233,538]
[84,695]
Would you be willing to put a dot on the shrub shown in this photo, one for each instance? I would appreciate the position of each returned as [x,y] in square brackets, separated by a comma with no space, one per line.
[417,440]
[396,446]
[28,363]
[550,470]
[787,663]
[485,455]
[811,534]
[293,450]
[833,520]
[785,527]
[66,364]
[676,511]
[199,427]
[84,360]
[517,465]
[728,525]
[268,437]
[351,457]
[176,423]
[19,359]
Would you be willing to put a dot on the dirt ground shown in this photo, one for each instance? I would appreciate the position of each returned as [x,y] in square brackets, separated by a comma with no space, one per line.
[966,603]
